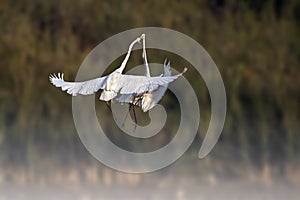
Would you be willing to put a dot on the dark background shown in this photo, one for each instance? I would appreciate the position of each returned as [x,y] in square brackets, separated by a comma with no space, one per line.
[256,46]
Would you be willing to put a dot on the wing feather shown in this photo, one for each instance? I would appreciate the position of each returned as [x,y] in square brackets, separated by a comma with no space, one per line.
[74,88]
[138,84]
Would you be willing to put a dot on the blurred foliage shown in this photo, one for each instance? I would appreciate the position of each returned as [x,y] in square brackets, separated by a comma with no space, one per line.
[254,43]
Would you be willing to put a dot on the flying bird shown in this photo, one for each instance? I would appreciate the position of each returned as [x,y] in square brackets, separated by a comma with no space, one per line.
[148,99]
[114,83]
[107,83]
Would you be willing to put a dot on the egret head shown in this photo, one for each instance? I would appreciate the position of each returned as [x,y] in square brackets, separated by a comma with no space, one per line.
[142,37]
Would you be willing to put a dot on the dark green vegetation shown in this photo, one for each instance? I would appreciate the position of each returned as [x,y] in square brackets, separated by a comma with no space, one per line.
[255,44]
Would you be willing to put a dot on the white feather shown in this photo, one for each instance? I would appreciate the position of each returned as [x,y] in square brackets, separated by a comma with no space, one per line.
[139,84]
[74,88]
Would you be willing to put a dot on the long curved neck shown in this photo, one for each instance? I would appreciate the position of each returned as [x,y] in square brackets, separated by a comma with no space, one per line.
[123,65]
[144,55]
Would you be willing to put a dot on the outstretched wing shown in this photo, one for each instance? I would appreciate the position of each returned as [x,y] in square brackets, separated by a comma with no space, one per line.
[138,84]
[74,88]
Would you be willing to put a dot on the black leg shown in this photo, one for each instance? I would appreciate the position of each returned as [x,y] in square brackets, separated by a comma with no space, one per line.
[135,119]
[108,106]
[130,106]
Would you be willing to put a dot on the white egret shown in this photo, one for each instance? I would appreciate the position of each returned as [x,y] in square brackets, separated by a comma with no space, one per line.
[114,83]
[91,86]
[148,99]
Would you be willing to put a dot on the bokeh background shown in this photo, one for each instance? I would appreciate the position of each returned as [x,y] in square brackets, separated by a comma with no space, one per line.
[256,46]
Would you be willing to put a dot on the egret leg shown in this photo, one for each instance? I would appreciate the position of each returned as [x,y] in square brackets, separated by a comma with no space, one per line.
[109,107]
[106,102]
[135,119]
[130,106]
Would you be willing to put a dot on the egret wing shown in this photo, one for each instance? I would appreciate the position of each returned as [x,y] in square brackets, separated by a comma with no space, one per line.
[139,84]
[74,88]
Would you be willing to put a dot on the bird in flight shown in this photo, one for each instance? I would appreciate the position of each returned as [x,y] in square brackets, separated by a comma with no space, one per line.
[123,84]
[148,99]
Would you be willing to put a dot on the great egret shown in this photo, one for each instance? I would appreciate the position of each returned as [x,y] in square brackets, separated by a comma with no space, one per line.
[114,83]
[148,99]
[91,86]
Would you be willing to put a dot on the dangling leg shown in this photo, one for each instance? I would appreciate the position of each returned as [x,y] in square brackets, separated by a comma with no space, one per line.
[109,107]
[135,119]
[130,106]
[106,102]
[138,103]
